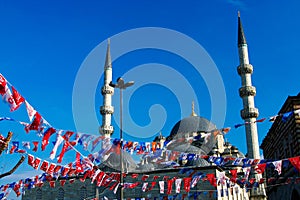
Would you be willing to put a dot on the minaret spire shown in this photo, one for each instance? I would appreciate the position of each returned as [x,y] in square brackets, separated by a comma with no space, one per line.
[247,92]
[241,35]
[249,113]
[107,91]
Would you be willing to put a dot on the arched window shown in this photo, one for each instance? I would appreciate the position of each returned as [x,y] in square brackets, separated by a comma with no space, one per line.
[295,195]
[61,194]
[83,192]
[39,194]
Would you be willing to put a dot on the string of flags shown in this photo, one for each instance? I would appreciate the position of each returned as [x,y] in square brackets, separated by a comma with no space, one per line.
[86,167]
[45,130]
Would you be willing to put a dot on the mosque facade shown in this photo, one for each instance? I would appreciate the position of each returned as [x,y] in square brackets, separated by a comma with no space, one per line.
[153,178]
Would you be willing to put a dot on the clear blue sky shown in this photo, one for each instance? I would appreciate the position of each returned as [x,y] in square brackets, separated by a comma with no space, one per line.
[44,44]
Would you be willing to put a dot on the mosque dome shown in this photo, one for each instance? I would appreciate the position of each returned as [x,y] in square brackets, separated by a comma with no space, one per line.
[190,125]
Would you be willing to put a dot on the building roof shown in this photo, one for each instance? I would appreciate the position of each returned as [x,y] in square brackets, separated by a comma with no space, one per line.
[191,124]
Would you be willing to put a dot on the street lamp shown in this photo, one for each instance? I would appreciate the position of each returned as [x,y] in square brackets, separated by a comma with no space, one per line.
[122,86]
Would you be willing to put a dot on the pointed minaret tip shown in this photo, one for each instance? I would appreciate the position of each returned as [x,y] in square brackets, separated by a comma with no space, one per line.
[241,35]
[108,57]
[193,110]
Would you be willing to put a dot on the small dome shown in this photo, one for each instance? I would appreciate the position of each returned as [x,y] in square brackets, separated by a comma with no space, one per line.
[200,163]
[113,161]
[192,124]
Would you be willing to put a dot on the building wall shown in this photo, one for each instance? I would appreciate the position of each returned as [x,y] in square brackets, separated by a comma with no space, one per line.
[282,142]
[75,191]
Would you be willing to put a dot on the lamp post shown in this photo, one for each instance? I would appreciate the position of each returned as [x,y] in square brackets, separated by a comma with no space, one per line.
[122,86]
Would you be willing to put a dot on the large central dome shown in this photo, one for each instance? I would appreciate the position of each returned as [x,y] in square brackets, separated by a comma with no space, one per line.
[192,124]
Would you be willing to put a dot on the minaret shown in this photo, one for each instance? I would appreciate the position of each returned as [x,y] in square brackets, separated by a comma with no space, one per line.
[249,113]
[107,91]
[247,92]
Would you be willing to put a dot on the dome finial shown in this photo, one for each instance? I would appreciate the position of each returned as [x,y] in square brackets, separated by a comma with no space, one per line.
[193,109]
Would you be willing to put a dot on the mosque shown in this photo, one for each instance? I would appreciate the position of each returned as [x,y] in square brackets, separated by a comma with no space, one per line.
[151,174]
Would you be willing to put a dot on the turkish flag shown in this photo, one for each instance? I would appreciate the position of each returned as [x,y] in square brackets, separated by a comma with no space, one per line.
[2,84]
[44,166]
[295,162]
[17,97]
[78,163]
[45,141]
[260,168]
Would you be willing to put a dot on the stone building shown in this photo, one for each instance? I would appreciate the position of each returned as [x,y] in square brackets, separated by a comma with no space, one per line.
[281,142]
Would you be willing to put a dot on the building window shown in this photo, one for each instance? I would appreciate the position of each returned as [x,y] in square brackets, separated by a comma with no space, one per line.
[61,194]
[83,193]
[39,194]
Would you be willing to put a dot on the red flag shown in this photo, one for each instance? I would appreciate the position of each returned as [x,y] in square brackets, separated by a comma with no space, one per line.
[211,178]
[261,120]
[260,168]
[12,149]
[30,110]
[16,189]
[63,151]
[295,162]
[65,171]
[187,183]
[72,180]
[100,178]
[35,125]
[8,98]
[225,130]
[44,166]
[37,162]
[152,185]
[35,144]
[57,168]
[66,137]
[78,163]
[62,182]
[170,184]
[30,160]
[2,84]
[52,184]
[252,180]
[17,97]
[51,168]
[134,175]
[144,177]
[71,172]
[234,175]
[47,134]
[153,146]
[113,186]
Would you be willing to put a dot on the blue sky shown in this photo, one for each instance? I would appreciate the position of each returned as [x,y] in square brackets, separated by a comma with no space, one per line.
[44,45]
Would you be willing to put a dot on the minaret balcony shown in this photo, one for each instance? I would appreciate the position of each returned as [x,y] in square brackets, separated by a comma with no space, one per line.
[245,69]
[104,110]
[247,91]
[247,113]
[106,129]
[106,89]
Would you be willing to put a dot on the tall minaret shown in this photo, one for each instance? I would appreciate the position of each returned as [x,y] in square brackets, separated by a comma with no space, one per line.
[247,92]
[249,113]
[107,91]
